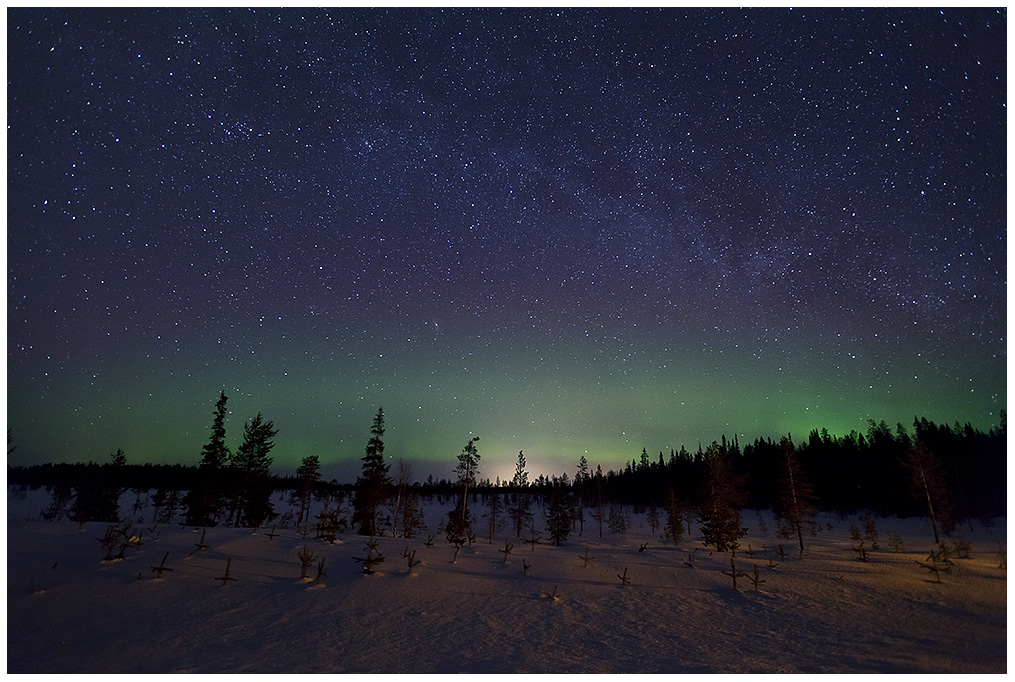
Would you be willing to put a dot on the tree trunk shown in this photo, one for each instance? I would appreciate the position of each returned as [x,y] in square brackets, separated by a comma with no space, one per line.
[930,507]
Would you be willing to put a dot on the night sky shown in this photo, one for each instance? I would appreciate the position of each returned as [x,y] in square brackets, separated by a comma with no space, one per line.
[564,231]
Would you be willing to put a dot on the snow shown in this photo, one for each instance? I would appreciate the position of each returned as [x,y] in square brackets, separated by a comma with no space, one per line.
[70,612]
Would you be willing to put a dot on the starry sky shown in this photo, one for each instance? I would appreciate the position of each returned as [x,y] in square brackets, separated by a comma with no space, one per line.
[566,231]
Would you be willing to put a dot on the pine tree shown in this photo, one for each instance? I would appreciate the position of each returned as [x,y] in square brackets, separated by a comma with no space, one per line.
[581,482]
[251,475]
[467,469]
[519,510]
[723,495]
[204,499]
[674,528]
[599,513]
[309,473]
[374,484]
[558,520]
[215,454]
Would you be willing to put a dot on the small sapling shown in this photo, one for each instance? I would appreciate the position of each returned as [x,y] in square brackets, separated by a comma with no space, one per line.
[200,545]
[411,557]
[534,537]
[734,573]
[937,563]
[507,550]
[307,558]
[161,567]
[226,578]
[585,558]
[624,579]
[372,558]
[320,572]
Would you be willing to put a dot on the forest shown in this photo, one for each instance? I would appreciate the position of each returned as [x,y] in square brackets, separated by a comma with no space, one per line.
[951,474]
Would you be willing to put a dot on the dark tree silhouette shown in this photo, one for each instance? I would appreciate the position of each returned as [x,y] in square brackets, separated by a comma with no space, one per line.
[674,517]
[558,519]
[519,511]
[250,473]
[374,484]
[99,490]
[204,499]
[467,469]
[308,473]
[723,495]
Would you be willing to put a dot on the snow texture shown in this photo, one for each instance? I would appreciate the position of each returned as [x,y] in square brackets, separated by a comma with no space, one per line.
[70,612]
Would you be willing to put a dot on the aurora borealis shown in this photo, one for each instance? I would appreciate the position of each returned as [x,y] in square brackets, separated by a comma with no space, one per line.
[566,231]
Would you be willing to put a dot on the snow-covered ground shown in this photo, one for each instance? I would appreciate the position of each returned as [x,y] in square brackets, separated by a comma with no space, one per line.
[70,612]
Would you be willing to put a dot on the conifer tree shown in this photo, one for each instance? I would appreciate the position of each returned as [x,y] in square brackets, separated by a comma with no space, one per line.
[674,528]
[519,510]
[558,520]
[599,513]
[204,499]
[467,469]
[215,453]
[581,483]
[309,473]
[374,483]
[251,475]
[722,496]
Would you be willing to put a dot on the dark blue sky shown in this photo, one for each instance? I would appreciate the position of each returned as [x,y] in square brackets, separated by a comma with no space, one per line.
[566,231]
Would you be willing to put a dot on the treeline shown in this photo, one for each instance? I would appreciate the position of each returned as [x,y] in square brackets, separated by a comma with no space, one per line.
[949,473]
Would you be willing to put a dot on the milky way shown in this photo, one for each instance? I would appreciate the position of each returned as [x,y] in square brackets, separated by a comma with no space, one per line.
[565,231]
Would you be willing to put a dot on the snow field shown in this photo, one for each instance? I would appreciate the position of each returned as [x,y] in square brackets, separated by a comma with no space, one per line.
[70,612]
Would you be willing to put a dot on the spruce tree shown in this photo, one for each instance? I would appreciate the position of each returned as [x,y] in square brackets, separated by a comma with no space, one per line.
[204,499]
[581,482]
[519,510]
[309,473]
[558,519]
[374,483]
[674,528]
[215,454]
[722,496]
